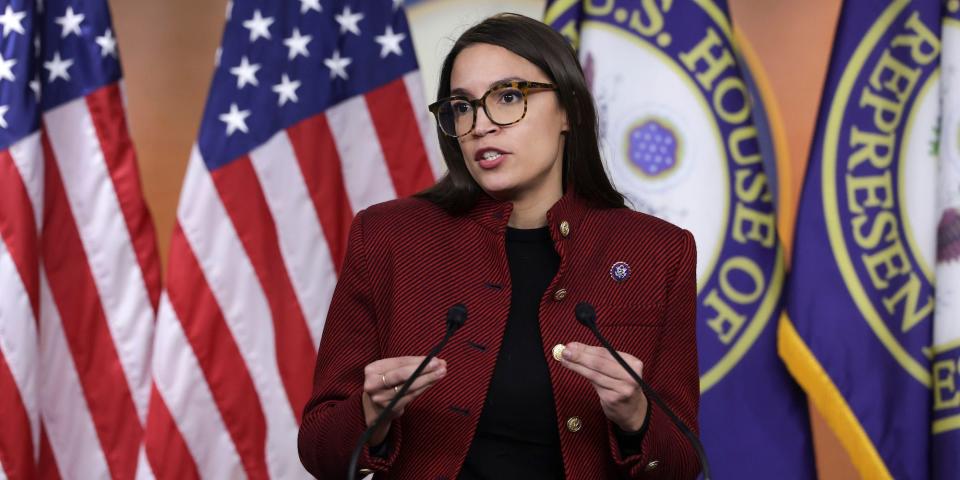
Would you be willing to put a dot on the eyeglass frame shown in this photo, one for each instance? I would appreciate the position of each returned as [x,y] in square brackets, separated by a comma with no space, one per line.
[477,103]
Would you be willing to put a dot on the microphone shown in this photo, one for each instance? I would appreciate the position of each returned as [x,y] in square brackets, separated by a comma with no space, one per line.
[587,316]
[456,317]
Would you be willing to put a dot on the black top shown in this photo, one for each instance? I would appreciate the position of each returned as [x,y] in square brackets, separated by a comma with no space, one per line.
[516,436]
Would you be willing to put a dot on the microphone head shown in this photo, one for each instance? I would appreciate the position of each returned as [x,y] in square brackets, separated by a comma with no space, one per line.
[456,316]
[586,315]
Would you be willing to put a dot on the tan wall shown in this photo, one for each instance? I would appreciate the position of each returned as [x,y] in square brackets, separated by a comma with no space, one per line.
[168,49]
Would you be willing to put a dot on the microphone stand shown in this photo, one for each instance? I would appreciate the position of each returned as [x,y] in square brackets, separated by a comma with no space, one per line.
[456,317]
[587,316]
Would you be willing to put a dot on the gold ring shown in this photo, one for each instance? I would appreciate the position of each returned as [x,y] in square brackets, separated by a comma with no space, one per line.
[383,378]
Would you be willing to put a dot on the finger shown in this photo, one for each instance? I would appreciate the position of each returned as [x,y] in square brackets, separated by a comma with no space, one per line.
[383,396]
[384,374]
[601,360]
[598,379]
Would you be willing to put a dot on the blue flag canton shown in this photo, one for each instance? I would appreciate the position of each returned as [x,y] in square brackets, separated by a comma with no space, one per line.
[78,48]
[19,89]
[283,62]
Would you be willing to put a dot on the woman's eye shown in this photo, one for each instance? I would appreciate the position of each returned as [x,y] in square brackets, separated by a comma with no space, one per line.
[510,96]
[461,108]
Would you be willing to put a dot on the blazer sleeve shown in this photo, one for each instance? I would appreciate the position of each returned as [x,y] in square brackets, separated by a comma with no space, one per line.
[664,452]
[333,417]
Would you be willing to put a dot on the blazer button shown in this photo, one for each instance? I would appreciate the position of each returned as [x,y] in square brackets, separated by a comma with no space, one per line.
[652,466]
[574,424]
[560,294]
[558,351]
[565,228]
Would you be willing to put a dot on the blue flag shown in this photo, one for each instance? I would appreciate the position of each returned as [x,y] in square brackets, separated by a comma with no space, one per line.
[683,141]
[861,335]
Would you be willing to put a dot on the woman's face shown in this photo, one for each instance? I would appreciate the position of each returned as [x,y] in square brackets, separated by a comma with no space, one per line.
[522,161]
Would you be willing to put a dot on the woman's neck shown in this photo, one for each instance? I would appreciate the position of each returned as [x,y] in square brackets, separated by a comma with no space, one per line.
[531,212]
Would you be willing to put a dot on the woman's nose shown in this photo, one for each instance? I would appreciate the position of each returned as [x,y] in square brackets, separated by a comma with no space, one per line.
[484,125]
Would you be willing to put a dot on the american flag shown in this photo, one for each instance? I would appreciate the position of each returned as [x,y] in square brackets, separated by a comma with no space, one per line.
[79,271]
[316,111]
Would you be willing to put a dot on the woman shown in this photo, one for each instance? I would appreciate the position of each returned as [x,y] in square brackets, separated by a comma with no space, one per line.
[523,227]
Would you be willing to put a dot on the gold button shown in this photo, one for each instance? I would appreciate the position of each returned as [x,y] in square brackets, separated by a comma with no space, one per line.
[574,424]
[652,466]
[560,294]
[564,228]
[558,351]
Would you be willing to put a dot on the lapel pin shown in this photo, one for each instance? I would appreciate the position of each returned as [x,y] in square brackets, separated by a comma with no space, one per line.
[620,271]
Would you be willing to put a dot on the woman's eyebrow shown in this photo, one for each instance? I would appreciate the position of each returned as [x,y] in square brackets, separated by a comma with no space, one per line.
[466,93]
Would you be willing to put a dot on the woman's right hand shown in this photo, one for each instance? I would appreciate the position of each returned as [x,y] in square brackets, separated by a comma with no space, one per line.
[382,380]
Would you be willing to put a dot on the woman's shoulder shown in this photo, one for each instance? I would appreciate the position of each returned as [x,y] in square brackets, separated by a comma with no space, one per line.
[637,223]
[402,213]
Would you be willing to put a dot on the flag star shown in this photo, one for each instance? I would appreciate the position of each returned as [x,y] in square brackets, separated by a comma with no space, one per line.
[246,73]
[108,44]
[69,23]
[390,42]
[337,65]
[3,115]
[297,44]
[11,21]
[229,12]
[58,68]
[235,119]
[348,21]
[35,86]
[216,56]
[258,26]
[6,68]
[287,90]
[397,4]
[307,5]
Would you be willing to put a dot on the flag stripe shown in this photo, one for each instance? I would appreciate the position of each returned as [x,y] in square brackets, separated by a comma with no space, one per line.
[104,241]
[74,290]
[16,444]
[47,469]
[244,200]
[171,458]
[195,419]
[18,230]
[19,349]
[304,249]
[425,122]
[27,158]
[391,113]
[106,110]
[365,172]
[66,416]
[312,142]
[219,358]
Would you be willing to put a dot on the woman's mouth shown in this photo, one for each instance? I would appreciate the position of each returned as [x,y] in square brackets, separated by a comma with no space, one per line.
[489,159]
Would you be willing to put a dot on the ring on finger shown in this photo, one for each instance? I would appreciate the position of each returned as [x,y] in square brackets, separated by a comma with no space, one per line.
[383,378]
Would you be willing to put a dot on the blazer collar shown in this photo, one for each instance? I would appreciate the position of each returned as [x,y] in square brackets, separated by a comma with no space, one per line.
[494,214]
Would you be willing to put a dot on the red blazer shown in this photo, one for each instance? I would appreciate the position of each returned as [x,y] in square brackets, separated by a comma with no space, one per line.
[408,261]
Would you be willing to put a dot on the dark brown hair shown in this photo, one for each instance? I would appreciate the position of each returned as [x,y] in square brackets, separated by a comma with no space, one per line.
[539,44]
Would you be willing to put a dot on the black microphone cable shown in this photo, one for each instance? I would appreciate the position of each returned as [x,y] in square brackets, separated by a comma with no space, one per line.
[456,317]
[587,316]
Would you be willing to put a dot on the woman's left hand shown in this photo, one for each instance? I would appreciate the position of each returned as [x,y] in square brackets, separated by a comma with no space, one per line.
[622,400]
